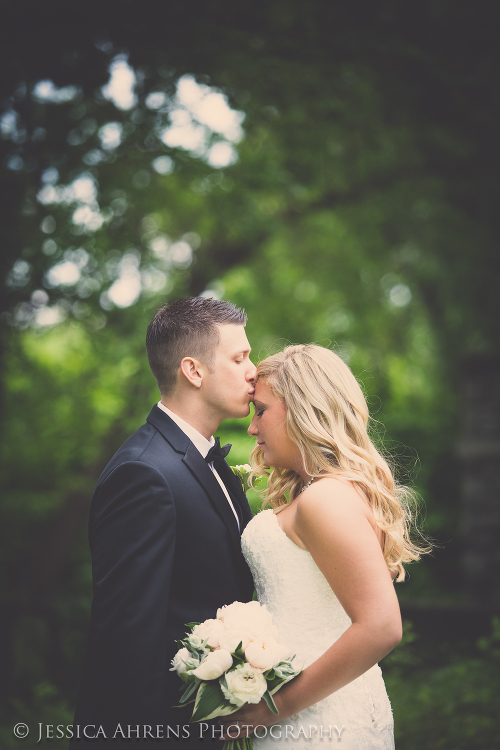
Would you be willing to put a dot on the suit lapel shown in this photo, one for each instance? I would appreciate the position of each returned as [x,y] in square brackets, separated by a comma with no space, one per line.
[203,473]
[170,431]
[233,486]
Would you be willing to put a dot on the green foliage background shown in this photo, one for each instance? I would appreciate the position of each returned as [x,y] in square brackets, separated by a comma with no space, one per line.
[360,213]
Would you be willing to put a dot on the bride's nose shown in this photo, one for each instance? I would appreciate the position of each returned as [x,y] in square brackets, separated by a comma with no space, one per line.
[252,430]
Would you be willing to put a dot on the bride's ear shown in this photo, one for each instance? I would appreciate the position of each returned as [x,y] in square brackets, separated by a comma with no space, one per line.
[192,370]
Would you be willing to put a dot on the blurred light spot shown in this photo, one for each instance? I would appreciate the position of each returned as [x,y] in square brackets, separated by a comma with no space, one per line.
[89,126]
[338,319]
[75,137]
[48,225]
[87,285]
[150,223]
[120,88]
[105,45]
[97,321]
[48,194]
[119,206]
[105,302]
[49,247]
[19,274]
[80,310]
[88,218]
[184,133]
[160,245]
[82,189]
[210,108]
[39,134]
[181,254]
[93,157]
[15,163]
[400,295]
[66,273]
[49,316]
[141,179]
[346,351]
[39,298]
[19,136]
[388,281]
[23,314]
[215,290]
[79,257]
[201,110]
[153,280]
[8,124]
[111,135]
[221,154]
[127,288]
[107,214]
[45,91]
[305,291]
[163,164]
[193,239]
[156,100]
[50,175]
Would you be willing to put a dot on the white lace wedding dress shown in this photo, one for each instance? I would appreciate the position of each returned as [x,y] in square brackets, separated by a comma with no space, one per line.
[310,618]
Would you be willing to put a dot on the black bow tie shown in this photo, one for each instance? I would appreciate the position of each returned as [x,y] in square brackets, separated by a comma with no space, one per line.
[217,453]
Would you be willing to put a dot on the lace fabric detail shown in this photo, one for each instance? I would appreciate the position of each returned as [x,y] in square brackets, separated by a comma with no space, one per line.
[310,618]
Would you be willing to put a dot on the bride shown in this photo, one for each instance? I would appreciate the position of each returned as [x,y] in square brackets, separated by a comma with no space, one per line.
[325,555]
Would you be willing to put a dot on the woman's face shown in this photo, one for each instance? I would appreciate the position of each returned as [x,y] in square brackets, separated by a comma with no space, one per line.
[268,425]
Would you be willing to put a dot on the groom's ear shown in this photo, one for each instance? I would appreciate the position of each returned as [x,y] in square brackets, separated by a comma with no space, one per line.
[192,370]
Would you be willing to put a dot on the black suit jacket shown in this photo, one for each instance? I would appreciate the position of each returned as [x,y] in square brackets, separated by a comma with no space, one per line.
[165,551]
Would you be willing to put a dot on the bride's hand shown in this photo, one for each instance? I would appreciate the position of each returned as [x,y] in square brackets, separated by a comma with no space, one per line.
[243,721]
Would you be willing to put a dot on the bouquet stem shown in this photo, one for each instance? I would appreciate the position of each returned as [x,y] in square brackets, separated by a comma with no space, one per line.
[242,743]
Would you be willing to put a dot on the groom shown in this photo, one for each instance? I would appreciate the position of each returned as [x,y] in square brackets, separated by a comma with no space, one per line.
[164,532]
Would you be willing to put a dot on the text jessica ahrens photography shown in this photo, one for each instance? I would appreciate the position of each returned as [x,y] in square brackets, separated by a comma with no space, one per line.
[178,731]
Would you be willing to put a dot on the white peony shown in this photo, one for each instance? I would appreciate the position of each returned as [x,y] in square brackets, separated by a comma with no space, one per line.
[210,631]
[262,654]
[245,684]
[231,640]
[251,619]
[183,661]
[214,665]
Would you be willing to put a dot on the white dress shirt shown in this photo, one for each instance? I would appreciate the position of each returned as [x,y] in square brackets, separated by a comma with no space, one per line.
[202,444]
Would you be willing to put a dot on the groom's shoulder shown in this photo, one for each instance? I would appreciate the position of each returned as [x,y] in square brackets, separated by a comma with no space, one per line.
[157,443]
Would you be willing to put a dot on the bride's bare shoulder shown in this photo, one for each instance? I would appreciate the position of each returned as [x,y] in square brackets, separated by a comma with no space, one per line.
[331,496]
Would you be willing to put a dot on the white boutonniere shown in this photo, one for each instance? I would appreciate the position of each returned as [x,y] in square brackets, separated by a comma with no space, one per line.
[243,472]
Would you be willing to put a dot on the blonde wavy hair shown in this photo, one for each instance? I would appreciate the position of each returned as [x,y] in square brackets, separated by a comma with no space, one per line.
[327,418]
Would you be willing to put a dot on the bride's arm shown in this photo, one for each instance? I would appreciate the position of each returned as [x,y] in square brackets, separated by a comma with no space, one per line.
[332,522]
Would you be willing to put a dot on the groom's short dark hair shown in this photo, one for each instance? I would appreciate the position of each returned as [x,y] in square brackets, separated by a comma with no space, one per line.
[186,328]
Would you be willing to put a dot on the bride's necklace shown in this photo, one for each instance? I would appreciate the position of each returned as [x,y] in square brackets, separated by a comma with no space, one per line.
[308,484]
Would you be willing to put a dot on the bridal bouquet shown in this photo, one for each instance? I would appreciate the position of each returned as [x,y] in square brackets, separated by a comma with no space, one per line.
[234,659]
[243,471]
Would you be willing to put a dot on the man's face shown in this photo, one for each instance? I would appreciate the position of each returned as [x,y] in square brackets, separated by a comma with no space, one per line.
[229,388]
